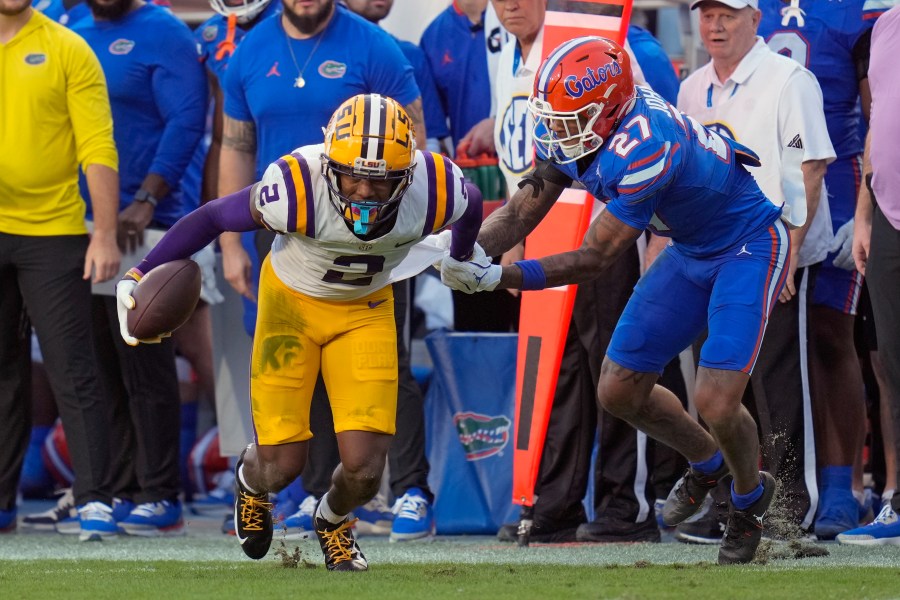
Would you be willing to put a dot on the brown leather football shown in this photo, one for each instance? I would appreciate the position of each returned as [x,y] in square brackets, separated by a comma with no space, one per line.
[164,299]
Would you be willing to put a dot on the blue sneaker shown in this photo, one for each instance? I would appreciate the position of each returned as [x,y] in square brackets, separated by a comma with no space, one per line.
[8,520]
[96,521]
[838,512]
[374,517]
[413,517]
[122,508]
[154,519]
[884,530]
[300,524]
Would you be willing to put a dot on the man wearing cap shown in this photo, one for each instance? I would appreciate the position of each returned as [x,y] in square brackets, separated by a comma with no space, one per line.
[773,105]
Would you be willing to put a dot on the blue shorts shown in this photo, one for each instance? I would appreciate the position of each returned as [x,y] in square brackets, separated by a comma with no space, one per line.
[731,294]
[838,288]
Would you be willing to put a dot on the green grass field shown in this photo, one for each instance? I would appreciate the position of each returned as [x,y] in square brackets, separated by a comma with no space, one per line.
[97,579]
[207,564]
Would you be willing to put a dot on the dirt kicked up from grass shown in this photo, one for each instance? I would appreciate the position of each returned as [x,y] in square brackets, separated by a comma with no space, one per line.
[97,580]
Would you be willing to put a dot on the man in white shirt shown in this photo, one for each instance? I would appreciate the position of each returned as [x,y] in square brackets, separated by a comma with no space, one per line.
[772,105]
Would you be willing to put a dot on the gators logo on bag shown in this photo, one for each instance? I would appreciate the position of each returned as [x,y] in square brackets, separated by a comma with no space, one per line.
[481,435]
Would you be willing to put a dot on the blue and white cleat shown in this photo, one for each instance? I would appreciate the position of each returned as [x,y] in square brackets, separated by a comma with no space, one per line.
[374,517]
[154,519]
[300,524]
[97,522]
[883,531]
[413,517]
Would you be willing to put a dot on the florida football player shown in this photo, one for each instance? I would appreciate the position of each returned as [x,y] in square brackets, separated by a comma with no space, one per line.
[346,214]
[655,169]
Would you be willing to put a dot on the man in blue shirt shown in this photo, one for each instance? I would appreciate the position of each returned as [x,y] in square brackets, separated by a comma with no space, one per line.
[158,94]
[660,170]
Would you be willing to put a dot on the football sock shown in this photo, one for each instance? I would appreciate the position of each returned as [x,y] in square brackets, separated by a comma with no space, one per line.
[324,512]
[743,501]
[710,465]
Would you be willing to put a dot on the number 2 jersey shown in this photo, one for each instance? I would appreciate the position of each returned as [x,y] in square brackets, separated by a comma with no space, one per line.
[661,170]
[318,255]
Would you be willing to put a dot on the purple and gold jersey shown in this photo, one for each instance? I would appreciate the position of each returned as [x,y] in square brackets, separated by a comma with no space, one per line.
[822,38]
[350,56]
[318,255]
[662,170]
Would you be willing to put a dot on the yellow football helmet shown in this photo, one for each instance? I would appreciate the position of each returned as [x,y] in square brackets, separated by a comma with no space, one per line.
[369,136]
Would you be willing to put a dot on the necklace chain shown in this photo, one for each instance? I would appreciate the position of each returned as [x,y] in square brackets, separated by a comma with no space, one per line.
[300,81]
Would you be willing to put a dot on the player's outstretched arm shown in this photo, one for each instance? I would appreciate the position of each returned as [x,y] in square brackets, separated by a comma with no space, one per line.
[605,240]
[200,227]
[509,224]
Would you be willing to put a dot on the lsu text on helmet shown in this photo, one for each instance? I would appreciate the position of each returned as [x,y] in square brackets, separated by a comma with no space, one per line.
[369,137]
[581,92]
[244,10]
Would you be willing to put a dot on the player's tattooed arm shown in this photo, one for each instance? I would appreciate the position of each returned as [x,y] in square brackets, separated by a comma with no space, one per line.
[604,241]
[509,224]
[239,135]
[417,116]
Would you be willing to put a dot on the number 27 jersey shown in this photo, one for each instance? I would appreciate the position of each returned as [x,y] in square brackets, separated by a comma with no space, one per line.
[662,170]
[317,254]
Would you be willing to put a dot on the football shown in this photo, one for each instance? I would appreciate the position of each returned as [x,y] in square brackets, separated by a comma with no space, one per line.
[164,299]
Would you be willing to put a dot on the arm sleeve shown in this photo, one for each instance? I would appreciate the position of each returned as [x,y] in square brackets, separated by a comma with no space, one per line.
[89,109]
[181,92]
[465,230]
[197,229]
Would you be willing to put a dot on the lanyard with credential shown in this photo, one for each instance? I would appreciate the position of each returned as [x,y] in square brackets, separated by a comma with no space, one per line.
[517,58]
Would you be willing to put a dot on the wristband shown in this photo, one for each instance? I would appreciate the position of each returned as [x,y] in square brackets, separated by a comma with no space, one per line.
[533,277]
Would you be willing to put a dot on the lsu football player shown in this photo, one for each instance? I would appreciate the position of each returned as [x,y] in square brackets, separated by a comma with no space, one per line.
[346,214]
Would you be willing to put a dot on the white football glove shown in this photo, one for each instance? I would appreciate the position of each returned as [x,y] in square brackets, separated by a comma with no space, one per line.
[843,245]
[124,303]
[476,275]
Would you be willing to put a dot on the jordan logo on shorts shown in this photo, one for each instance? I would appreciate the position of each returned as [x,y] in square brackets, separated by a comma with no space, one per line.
[744,251]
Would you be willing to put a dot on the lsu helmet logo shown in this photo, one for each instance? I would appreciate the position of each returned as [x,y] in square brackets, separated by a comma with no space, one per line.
[481,435]
[577,86]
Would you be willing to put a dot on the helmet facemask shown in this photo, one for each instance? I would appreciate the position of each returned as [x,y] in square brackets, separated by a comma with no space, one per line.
[363,215]
[369,137]
[244,10]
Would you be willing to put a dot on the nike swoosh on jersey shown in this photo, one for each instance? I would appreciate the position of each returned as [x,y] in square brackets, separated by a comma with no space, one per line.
[373,304]
[397,245]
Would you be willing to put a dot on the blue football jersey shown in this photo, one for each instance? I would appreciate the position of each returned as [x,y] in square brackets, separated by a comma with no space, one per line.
[662,170]
[824,45]
[351,56]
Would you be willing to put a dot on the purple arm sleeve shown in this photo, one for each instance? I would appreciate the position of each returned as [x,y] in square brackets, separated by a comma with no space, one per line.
[465,231]
[198,228]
